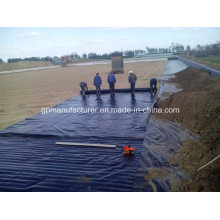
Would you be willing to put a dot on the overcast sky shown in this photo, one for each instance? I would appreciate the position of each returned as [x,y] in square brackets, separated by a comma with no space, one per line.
[41,42]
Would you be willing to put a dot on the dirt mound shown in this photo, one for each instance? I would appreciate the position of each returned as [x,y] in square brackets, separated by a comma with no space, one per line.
[199,105]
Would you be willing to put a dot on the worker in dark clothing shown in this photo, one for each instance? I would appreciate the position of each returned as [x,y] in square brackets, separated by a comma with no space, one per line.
[153,85]
[97,84]
[84,88]
[111,81]
[132,79]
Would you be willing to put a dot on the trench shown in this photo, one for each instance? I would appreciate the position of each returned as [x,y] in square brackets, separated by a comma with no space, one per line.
[31,161]
[162,141]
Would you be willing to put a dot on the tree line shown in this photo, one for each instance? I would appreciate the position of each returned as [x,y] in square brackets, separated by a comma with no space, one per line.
[14,60]
[175,48]
[207,50]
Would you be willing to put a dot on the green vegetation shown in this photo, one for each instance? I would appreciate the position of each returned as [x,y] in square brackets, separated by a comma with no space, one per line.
[212,61]
[209,59]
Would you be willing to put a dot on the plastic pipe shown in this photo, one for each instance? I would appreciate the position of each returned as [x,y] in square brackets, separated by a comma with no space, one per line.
[85,144]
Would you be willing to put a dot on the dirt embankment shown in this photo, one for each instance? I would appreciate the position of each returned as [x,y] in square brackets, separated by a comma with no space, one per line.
[199,105]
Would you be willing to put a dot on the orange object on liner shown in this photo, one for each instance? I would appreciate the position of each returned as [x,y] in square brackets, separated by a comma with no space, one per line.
[128,150]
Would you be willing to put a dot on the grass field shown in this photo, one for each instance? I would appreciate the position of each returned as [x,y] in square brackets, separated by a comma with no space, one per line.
[213,61]
[210,59]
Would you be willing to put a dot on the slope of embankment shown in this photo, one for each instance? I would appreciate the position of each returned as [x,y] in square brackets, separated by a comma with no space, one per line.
[199,104]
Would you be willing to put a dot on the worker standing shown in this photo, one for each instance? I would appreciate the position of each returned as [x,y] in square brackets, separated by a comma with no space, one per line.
[132,79]
[111,81]
[97,84]
[84,88]
[153,85]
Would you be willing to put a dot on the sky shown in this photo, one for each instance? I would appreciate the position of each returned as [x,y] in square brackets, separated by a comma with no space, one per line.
[41,42]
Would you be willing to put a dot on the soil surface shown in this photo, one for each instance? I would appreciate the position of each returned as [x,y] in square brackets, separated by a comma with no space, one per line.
[24,94]
[35,64]
[199,105]
[24,65]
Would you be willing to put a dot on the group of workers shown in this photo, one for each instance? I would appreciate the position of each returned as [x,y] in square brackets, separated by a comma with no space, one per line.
[132,78]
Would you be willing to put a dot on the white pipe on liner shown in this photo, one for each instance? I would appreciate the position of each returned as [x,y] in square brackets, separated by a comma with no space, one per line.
[85,144]
[209,163]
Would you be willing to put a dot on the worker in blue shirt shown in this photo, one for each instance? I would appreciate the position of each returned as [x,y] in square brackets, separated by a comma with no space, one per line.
[111,82]
[153,85]
[97,84]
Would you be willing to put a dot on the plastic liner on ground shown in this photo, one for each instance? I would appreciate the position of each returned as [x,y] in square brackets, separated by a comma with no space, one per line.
[31,161]
[104,91]
[166,88]
[162,141]
[173,66]
[88,124]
